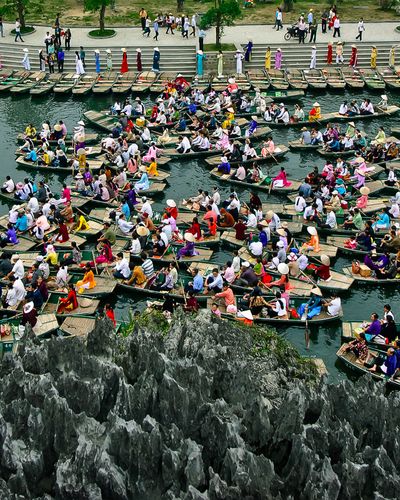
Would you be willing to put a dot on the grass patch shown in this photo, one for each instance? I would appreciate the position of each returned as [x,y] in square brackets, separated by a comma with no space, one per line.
[102,33]
[25,31]
[212,47]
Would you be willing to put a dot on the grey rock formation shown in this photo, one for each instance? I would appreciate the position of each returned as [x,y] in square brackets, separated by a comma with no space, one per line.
[198,410]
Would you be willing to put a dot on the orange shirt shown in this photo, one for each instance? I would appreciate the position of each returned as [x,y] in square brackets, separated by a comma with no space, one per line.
[89,278]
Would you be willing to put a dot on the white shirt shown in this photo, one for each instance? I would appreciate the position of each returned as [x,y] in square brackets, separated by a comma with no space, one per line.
[256,248]
[300,204]
[62,276]
[331,219]
[146,208]
[133,149]
[18,269]
[125,226]
[9,186]
[13,216]
[135,247]
[185,145]
[216,197]
[335,306]
[33,204]
[123,267]
[236,263]
[303,262]
[20,291]
[251,220]
[280,307]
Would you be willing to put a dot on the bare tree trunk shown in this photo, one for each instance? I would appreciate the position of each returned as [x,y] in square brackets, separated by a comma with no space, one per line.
[21,13]
[287,5]
[218,32]
[102,15]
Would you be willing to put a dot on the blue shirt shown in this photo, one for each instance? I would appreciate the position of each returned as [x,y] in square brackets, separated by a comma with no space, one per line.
[22,223]
[198,283]
[391,365]
[126,211]
[32,155]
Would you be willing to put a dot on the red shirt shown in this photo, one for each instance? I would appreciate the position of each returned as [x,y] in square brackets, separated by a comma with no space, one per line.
[240,231]
[323,272]
[172,212]
[110,314]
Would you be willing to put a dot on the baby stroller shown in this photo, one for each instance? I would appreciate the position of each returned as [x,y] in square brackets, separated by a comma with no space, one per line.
[293,32]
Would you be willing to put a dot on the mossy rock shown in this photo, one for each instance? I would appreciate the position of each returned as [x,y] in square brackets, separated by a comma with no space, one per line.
[107,33]
[28,30]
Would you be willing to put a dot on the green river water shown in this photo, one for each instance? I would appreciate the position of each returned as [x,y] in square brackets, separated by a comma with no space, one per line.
[186,178]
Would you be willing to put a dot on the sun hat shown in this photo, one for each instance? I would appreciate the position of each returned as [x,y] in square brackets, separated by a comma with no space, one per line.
[142,168]
[246,263]
[325,260]
[352,124]
[123,49]
[81,122]
[283,268]
[269,214]
[142,231]
[25,50]
[137,50]
[57,127]
[312,230]
[200,52]
[189,237]
[245,314]
[334,192]
[364,190]
[281,232]
[280,244]
[81,151]
[79,176]
[97,51]
[285,225]
[171,203]
[108,51]
[316,104]
[39,258]
[156,49]
[316,291]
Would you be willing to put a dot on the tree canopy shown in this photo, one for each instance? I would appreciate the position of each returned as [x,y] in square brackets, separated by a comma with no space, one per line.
[98,5]
[224,13]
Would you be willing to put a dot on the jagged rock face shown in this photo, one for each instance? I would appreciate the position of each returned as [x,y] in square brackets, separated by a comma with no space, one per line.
[190,413]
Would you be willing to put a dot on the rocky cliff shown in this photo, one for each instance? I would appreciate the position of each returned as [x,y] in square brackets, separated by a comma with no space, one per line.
[198,409]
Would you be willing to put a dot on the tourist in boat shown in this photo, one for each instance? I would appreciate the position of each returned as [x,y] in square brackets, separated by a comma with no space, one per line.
[68,303]
[380,137]
[29,314]
[277,308]
[88,282]
[298,115]
[228,297]
[359,348]
[313,243]
[382,221]
[333,306]
[315,112]
[143,183]
[281,180]
[367,107]
[9,237]
[362,201]
[313,306]
[224,167]
[62,235]
[388,366]
[74,257]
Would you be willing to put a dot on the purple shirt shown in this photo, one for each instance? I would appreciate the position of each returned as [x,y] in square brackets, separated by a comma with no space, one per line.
[374,328]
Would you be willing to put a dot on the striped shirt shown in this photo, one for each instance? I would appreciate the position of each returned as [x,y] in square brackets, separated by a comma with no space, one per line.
[148,268]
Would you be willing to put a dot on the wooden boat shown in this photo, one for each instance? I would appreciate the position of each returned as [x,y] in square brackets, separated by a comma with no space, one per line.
[255,185]
[89,139]
[372,79]
[66,84]
[338,242]
[278,79]
[203,255]
[177,294]
[94,164]
[25,85]
[104,286]
[228,237]
[202,83]
[143,81]
[390,78]
[154,189]
[45,326]
[349,331]
[46,85]
[280,151]
[336,154]
[5,75]
[77,326]
[283,95]
[123,83]
[173,153]
[15,78]
[334,78]
[86,306]
[315,78]
[298,145]
[258,79]
[25,244]
[159,85]
[105,82]
[204,242]
[296,79]
[352,77]
[350,360]
[101,120]
[370,280]
[220,84]
[85,84]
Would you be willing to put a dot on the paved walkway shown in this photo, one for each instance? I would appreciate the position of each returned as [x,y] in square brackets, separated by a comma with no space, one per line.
[260,34]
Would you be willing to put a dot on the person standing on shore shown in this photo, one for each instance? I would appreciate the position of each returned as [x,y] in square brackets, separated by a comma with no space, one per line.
[60,60]
[249,48]
[25,61]
[374,56]
[67,39]
[97,60]
[42,61]
[310,18]
[336,27]
[202,35]
[313,31]
[324,21]
[109,60]
[353,57]
[239,61]
[267,63]
[143,17]
[18,31]
[139,60]
[156,60]
[124,63]
[301,26]
[1,27]
[339,53]
[278,59]
[313,62]
[200,59]
[193,24]
[82,55]
[360,29]
[329,55]
[79,68]
[220,65]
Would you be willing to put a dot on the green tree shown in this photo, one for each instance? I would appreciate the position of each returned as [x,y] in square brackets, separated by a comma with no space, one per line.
[224,13]
[98,5]
[12,7]
[287,5]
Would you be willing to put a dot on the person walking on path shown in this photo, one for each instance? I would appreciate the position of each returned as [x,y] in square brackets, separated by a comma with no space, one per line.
[169,22]
[60,60]
[249,48]
[79,68]
[185,27]
[267,63]
[374,56]
[193,24]
[156,60]
[25,61]
[200,59]
[313,31]
[109,60]
[239,61]
[278,59]
[324,21]
[124,62]
[139,60]
[310,18]
[220,65]
[360,29]
[329,55]
[353,57]
[82,55]
[1,27]
[17,31]
[67,39]
[339,53]
[97,60]
[155,28]
[147,30]
[279,19]
[336,27]
[47,41]
[143,17]
[202,35]
[313,62]
[42,61]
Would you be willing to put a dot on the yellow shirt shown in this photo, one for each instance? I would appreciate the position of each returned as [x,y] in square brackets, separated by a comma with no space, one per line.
[152,169]
[30,131]
[82,224]
[52,257]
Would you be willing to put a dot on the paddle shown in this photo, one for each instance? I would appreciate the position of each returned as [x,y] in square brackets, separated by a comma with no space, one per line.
[180,279]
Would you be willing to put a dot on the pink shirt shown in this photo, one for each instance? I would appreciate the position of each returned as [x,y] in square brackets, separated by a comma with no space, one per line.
[66,194]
